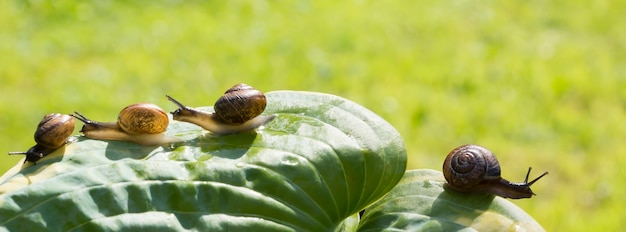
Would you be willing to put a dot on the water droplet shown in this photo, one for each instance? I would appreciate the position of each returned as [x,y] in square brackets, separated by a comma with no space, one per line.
[291,161]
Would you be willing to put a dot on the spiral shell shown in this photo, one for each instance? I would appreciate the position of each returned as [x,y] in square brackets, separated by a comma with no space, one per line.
[141,123]
[468,165]
[474,169]
[239,104]
[238,110]
[52,133]
[143,118]
[53,130]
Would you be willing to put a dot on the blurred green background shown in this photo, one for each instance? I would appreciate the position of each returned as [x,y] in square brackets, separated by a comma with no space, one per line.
[540,83]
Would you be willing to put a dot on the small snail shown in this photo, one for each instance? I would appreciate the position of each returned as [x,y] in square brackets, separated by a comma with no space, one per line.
[141,123]
[472,168]
[236,111]
[52,133]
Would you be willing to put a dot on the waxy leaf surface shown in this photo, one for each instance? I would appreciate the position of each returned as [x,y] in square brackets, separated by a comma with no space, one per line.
[421,203]
[321,160]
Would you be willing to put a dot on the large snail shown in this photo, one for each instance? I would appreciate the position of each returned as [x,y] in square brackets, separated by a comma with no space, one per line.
[141,123]
[472,168]
[52,133]
[238,110]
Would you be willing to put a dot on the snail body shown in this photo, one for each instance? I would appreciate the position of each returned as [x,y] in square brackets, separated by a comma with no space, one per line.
[238,110]
[141,123]
[472,168]
[52,133]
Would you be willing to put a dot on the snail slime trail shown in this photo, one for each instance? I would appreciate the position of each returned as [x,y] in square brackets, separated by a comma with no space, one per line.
[238,110]
[475,169]
[52,133]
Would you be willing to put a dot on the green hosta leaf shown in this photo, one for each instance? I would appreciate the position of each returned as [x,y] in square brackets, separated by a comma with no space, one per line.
[419,203]
[320,161]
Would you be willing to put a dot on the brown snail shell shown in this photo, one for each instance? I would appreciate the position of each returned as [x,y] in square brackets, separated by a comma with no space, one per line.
[238,110]
[239,104]
[143,118]
[141,123]
[472,168]
[52,133]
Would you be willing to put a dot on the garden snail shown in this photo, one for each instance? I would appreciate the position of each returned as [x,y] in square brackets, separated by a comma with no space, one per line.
[236,111]
[52,133]
[472,168]
[141,123]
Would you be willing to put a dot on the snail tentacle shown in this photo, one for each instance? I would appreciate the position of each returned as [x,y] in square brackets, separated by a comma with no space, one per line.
[472,168]
[52,133]
[238,110]
[141,123]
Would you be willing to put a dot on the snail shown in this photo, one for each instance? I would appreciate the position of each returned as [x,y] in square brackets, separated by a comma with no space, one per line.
[52,133]
[141,123]
[472,168]
[238,110]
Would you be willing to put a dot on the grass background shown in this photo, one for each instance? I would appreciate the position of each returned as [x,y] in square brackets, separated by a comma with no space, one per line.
[540,83]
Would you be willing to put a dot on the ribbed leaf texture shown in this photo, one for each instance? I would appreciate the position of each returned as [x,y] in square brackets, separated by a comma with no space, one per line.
[420,203]
[323,159]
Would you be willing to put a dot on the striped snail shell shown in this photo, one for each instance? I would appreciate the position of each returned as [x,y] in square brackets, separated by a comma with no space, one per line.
[238,110]
[52,133]
[472,168]
[141,123]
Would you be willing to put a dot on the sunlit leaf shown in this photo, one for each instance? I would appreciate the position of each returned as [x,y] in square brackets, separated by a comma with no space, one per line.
[420,203]
[320,161]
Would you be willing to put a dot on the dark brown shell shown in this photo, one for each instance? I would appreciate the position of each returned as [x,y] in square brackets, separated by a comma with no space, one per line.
[53,130]
[239,104]
[468,165]
[143,118]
